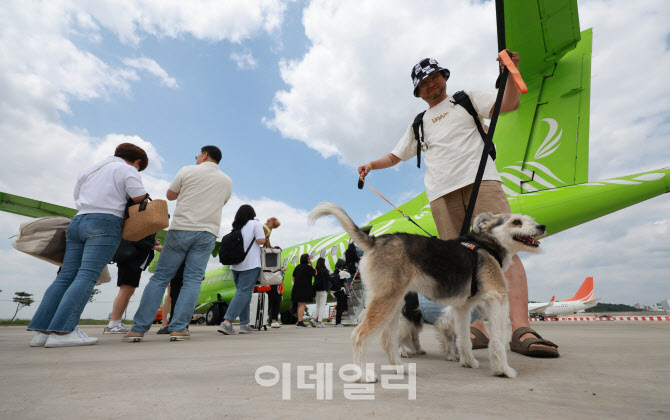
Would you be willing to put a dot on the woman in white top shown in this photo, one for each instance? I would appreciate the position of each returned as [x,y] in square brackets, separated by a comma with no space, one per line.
[101,193]
[245,273]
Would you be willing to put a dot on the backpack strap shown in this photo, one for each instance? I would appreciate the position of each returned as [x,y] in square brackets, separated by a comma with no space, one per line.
[247,251]
[417,126]
[461,98]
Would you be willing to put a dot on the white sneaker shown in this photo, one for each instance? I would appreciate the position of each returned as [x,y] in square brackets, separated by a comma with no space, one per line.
[246,329]
[321,325]
[117,329]
[75,338]
[275,325]
[339,325]
[39,340]
[312,322]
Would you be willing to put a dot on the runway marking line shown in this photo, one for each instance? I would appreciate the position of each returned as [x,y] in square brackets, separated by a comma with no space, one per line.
[612,318]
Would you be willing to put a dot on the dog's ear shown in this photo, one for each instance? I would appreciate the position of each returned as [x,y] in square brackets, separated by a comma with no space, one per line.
[481,221]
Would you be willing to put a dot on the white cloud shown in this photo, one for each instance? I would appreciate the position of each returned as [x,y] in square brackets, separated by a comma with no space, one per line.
[154,68]
[350,94]
[211,20]
[627,253]
[294,227]
[244,60]
[43,70]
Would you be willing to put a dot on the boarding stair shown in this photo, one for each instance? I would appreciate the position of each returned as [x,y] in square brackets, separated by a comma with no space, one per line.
[355,301]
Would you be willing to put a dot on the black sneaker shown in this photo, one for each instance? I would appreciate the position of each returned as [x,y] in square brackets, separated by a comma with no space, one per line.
[300,325]
[163,331]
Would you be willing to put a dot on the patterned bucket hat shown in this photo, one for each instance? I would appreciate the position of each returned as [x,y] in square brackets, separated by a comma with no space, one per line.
[425,68]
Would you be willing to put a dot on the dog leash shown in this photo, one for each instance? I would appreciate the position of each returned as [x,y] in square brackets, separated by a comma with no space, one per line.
[361,181]
[508,68]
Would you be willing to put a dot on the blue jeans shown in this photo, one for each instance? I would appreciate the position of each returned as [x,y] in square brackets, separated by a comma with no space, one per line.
[244,285]
[91,240]
[194,247]
[432,311]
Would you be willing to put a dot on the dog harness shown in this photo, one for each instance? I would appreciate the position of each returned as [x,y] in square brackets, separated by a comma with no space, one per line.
[474,258]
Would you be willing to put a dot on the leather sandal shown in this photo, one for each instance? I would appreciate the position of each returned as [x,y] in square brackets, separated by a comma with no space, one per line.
[523,347]
[480,341]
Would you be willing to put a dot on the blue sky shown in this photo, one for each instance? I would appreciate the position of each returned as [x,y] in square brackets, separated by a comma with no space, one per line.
[321,88]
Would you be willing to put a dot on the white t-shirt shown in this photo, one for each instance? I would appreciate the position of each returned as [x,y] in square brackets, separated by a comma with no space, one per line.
[203,190]
[454,146]
[108,189]
[252,231]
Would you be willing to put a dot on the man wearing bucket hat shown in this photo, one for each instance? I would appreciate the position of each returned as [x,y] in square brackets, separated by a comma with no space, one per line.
[453,148]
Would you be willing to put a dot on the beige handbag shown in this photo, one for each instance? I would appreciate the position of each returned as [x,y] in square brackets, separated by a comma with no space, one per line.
[146,218]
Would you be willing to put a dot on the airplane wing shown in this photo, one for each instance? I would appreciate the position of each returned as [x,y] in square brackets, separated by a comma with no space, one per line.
[32,208]
[544,143]
[540,310]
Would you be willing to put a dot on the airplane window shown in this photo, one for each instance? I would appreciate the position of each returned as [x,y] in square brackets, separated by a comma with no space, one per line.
[285,261]
[322,253]
[312,254]
[333,251]
[293,260]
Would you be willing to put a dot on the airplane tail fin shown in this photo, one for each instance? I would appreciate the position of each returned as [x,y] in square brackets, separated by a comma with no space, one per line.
[363,240]
[553,298]
[545,144]
[585,292]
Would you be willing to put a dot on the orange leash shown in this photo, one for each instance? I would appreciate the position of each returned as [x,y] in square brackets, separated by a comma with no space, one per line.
[514,71]
[361,181]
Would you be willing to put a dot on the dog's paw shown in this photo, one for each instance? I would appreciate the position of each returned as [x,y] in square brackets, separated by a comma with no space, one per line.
[405,354]
[506,372]
[452,357]
[368,377]
[469,362]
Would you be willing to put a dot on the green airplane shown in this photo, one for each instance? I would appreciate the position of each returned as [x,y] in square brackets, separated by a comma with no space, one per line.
[542,151]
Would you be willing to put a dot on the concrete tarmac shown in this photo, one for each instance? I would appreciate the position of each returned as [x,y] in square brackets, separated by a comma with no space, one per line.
[606,370]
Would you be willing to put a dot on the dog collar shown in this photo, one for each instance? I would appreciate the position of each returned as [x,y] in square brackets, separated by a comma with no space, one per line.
[473,246]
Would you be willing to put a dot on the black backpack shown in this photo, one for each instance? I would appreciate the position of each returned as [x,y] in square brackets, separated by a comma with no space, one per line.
[232,248]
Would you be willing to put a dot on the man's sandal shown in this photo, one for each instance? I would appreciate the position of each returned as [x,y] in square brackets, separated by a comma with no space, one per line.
[523,347]
[479,341]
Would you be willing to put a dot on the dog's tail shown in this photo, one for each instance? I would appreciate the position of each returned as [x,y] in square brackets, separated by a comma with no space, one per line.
[363,240]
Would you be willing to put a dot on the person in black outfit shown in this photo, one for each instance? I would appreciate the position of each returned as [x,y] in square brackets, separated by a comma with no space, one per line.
[133,258]
[320,288]
[338,285]
[274,300]
[302,286]
[352,260]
